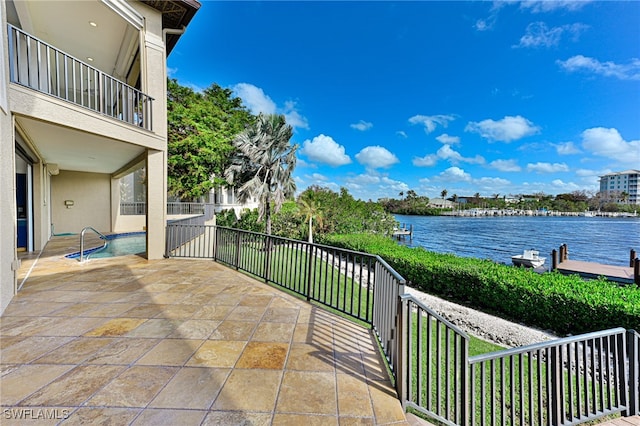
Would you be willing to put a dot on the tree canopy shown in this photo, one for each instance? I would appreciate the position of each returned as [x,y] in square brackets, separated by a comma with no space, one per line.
[263,164]
[201,129]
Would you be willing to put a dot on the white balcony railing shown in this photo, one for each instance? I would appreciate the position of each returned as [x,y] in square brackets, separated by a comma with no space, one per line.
[36,64]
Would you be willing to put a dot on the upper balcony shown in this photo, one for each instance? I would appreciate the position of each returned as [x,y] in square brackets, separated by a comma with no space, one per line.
[38,65]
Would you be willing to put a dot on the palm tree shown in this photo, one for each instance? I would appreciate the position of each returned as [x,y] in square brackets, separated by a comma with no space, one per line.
[309,209]
[444,193]
[263,164]
[624,196]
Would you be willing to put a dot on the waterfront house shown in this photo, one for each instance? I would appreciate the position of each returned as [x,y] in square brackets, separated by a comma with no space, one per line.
[226,198]
[441,203]
[82,105]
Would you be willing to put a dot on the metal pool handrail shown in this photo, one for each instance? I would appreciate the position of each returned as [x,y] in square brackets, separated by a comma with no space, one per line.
[82,239]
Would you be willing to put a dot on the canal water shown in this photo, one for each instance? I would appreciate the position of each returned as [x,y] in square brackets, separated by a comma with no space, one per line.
[591,239]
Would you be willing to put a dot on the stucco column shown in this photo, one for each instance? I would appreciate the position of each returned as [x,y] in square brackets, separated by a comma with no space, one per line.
[8,232]
[155,84]
[156,203]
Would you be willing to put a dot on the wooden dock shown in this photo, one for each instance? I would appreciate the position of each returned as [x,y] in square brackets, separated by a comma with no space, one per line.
[592,270]
[622,274]
[403,231]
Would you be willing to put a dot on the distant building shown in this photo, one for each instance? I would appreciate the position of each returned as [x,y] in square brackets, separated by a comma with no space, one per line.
[441,203]
[621,187]
[225,198]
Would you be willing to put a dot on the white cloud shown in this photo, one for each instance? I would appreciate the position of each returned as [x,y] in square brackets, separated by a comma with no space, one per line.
[324,149]
[361,125]
[376,156]
[402,134]
[393,184]
[317,177]
[364,179]
[536,6]
[566,148]
[293,117]
[453,174]
[254,98]
[609,143]
[540,6]
[373,185]
[484,24]
[426,161]
[547,167]
[630,71]
[430,122]
[301,163]
[562,186]
[538,34]
[591,177]
[490,22]
[450,140]
[592,173]
[171,71]
[259,102]
[506,130]
[505,165]
[447,153]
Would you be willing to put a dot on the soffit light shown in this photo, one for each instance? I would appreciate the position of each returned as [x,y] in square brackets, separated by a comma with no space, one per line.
[93,24]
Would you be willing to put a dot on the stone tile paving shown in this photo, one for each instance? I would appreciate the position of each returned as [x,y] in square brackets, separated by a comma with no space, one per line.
[130,341]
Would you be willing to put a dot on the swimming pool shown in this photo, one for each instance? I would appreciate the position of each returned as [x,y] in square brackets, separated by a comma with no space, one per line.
[117,245]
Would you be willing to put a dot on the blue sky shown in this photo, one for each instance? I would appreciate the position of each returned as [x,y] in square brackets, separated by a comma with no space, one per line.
[491,97]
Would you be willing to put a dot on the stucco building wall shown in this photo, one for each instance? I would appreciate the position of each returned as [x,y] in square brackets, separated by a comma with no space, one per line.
[90,194]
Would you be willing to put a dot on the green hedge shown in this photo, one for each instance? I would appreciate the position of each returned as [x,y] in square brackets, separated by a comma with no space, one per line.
[552,301]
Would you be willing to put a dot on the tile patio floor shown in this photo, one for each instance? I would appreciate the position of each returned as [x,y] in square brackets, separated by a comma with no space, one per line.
[180,342]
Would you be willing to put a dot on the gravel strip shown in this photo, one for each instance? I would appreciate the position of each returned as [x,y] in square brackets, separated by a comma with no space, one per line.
[484,326]
[479,324]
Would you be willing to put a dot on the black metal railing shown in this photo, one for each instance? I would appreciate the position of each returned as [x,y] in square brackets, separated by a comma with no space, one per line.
[358,285]
[36,64]
[563,381]
[140,208]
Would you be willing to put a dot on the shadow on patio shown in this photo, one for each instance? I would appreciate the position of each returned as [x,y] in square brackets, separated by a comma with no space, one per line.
[130,341]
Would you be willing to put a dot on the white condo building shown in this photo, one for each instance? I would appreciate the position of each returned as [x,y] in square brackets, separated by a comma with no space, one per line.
[615,184]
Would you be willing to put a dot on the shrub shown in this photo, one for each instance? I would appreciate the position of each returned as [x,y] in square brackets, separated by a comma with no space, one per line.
[564,304]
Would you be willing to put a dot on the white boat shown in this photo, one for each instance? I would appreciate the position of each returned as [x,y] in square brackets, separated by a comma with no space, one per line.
[529,259]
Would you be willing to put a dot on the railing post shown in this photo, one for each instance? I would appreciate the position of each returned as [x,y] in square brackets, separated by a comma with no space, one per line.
[238,245]
[633,355]
[402,345]
[464,382]
[215,242]
[167,240]
[310,263]
[268,245]
[623,385]
[632,257]
[555,397]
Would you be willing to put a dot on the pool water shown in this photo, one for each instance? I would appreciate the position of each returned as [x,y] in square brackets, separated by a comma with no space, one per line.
[117,245]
